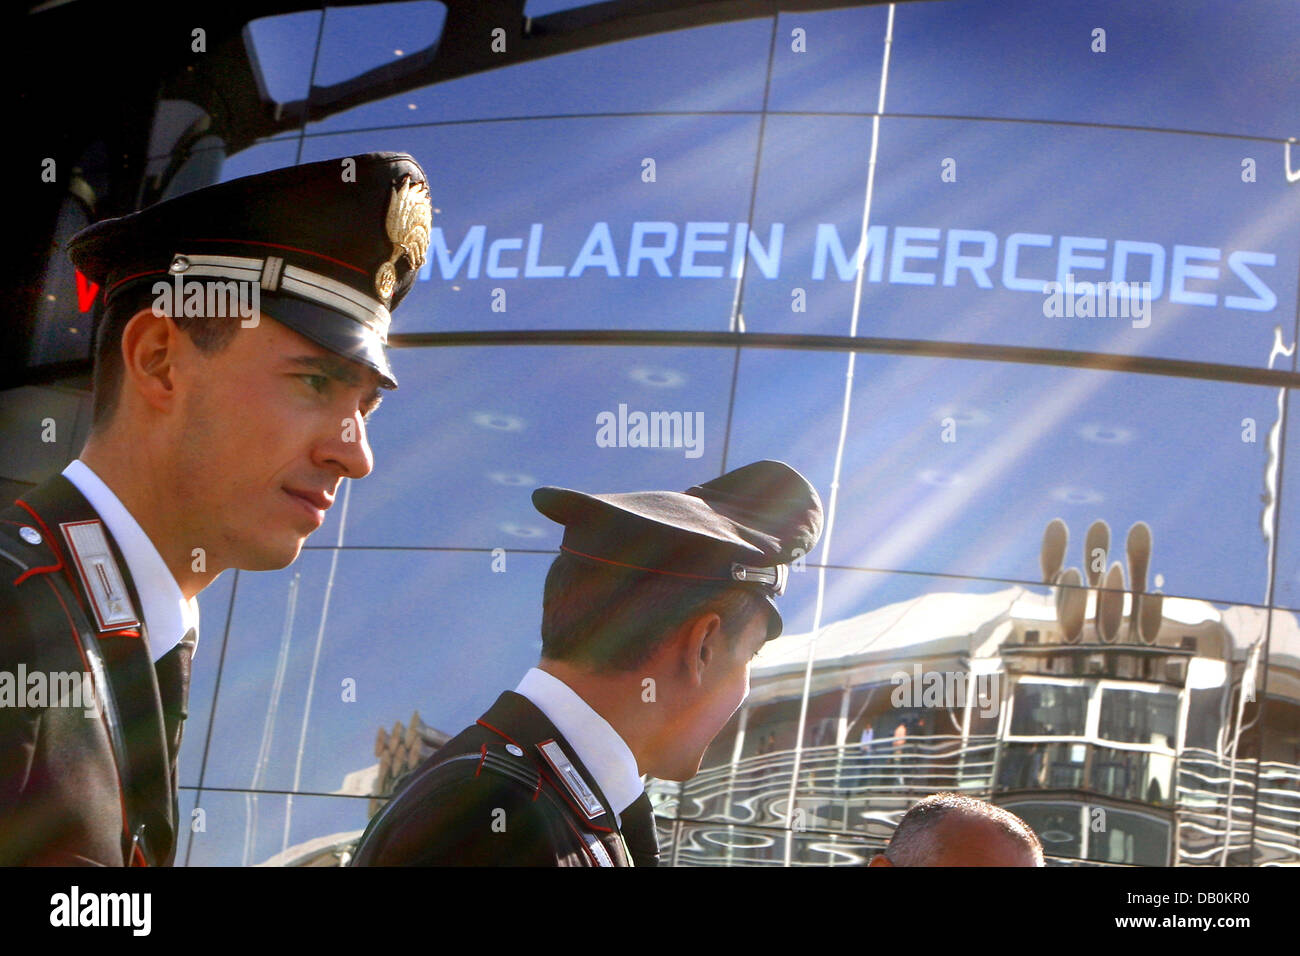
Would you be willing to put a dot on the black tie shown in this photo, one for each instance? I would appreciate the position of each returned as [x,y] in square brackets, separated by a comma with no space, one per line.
[638,827]
[173,670]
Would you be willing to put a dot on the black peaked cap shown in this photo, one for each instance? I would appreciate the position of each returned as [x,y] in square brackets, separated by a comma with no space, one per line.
[333,245]
[761,515]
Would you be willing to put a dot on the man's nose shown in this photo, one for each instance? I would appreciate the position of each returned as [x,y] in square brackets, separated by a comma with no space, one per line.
[347,448]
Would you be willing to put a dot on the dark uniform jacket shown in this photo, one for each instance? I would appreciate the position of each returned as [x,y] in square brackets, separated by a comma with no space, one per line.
[500,793]
[78,789]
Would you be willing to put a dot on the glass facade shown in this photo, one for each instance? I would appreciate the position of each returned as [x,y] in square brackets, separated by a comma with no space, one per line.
[985,267]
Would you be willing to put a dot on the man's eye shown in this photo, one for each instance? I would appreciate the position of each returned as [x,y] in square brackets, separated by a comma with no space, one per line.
[318,383]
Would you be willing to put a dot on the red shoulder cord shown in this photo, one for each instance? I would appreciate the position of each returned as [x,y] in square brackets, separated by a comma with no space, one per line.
[48,537]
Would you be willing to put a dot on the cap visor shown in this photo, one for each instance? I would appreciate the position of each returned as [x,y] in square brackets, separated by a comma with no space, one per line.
[333,331]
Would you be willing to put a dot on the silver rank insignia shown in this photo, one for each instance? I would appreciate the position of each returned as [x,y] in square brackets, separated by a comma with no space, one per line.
[100,575]
[572,780]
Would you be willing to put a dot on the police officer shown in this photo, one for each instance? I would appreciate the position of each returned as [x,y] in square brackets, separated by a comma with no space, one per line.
[651,616]
[239,351]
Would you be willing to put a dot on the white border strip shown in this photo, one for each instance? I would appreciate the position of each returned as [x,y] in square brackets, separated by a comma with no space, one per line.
[305,284]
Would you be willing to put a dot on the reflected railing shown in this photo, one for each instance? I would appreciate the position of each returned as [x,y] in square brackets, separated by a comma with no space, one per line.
[1277,814]
[849,798]
[854,788]
[1264,798]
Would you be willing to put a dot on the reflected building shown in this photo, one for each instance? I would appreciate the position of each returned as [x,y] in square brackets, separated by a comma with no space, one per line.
[399,751]
[1116,753]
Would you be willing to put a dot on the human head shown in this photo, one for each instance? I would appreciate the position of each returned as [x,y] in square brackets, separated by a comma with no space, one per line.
[327,248]
[949,829]
[209,335]
[683,653]
[674,593]
[241,347]
[609,619]
[742,529]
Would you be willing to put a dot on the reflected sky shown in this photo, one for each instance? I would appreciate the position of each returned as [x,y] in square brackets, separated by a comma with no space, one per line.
[244,828]
[437,632]
[497,423]
[1201,65]
[284,47]
[1102,205]
[356,40]
[1028,444]
[956,257]
[592,168]
[708,69]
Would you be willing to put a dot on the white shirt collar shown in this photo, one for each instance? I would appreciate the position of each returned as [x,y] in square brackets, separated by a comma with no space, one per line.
[598,745]
[167,615]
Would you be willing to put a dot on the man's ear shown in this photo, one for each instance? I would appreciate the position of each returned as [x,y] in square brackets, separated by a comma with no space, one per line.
[699,641]
[150,341]
[880,860]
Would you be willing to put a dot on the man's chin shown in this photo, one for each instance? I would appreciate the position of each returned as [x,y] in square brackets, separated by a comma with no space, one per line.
[272,558]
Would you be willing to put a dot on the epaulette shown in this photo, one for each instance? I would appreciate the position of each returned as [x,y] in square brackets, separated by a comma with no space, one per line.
[491,758]
[510,762]
[497,759]
[560,772]
[88,558]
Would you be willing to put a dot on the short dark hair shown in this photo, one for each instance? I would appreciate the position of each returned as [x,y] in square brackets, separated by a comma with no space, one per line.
[913,842]
[613,619]
[209,334]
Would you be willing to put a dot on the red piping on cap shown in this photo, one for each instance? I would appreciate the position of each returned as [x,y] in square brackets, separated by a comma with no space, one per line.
[242,242]
[276,245]
[108,293]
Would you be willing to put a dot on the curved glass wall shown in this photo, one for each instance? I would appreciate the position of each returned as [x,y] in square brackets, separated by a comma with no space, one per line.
[970,267]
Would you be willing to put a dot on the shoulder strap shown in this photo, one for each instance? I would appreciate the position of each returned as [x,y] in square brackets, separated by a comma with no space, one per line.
[565,781]
[55,573]
[521,772]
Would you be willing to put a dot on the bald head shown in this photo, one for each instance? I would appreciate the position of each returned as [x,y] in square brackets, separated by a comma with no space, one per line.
[947,829]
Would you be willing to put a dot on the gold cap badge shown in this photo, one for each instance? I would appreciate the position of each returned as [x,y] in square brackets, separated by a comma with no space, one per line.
[410,217]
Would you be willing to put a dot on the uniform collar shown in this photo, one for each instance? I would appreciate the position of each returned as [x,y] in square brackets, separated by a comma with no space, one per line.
[599,747]
[167,615]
